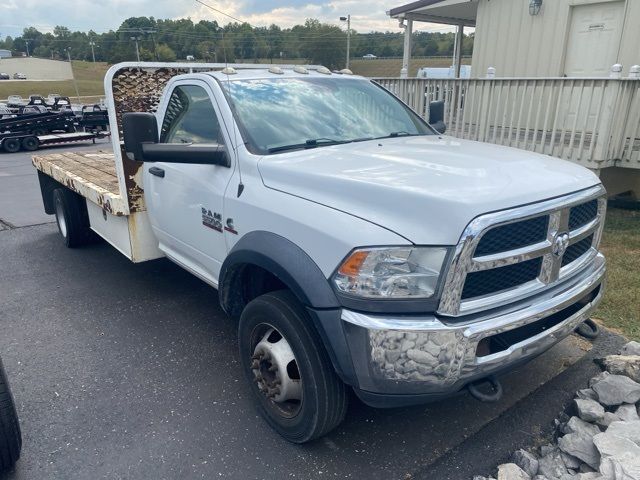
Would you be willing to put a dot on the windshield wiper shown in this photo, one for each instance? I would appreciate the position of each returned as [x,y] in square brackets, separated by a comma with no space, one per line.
[402,133]
[311,143]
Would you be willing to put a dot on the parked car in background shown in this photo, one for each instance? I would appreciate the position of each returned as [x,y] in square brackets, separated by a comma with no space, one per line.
[19,76]
[10,436]
[4,76]
[369,56]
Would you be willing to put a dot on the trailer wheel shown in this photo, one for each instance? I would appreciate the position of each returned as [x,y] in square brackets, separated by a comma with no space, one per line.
[30,144]
[38,132]
[71,217]
[10,435]
[11,145]
[294,384]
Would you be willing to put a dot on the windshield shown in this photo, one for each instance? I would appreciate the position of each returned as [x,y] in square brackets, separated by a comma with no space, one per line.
[283,114]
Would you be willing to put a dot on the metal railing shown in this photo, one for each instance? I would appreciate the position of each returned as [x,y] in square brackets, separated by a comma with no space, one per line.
[593,121]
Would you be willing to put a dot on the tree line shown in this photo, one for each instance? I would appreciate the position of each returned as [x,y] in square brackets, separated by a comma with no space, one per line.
[170,40]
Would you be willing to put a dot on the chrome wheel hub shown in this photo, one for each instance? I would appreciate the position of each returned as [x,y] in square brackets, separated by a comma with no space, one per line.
[275,370]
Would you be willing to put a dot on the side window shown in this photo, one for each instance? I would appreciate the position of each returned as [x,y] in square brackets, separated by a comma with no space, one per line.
[190,117]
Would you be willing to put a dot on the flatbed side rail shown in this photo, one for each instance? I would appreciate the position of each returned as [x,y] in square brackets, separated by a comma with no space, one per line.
[98,185]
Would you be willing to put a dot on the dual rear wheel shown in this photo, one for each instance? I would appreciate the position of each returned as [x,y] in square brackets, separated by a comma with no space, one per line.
[72,218]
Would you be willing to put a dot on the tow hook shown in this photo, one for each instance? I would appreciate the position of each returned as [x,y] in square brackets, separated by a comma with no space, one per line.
[588,329]
[493,396]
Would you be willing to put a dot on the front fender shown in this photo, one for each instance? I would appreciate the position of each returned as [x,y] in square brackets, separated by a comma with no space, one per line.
[284,259]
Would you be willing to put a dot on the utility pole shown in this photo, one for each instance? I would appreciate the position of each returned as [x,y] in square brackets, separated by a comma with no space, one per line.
[93,53]
[348,20]
[135,39]
[27,42]
[75,84]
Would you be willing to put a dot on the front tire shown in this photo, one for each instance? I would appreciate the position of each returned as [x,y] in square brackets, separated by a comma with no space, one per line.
[294,384]
[10,436]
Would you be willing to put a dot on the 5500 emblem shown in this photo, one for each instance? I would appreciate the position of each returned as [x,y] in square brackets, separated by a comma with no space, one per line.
[213,220]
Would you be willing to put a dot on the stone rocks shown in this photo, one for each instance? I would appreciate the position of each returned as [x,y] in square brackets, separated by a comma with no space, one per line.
[580,446]
[609,444]
[587,393]
[526,461]
[621,467]
[631,348]
[607,419]
[577,425]
[511,471]
[627,365]
[589,410]
[602,441]
[616,390]
[551,465]
[627,413]
[628,430]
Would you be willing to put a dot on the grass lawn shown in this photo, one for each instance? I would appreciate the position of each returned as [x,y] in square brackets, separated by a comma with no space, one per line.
[390,67]
[620,309]
[89,78]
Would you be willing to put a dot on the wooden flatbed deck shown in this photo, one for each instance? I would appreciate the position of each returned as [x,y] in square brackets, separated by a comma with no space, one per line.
[91,174]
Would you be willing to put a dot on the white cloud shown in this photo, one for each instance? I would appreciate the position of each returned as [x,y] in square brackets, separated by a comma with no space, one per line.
[107,15]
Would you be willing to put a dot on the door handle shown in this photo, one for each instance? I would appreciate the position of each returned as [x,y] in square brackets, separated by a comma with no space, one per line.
[158,172]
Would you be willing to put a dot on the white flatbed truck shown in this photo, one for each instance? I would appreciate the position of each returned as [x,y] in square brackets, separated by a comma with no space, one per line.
[357,246]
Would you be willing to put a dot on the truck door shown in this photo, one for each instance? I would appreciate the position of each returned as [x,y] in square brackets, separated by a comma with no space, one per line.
[185,202]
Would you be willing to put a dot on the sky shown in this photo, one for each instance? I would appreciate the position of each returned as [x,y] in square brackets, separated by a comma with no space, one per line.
[104,15]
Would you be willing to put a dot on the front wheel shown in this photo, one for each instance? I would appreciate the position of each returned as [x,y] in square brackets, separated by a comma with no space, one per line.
[291,376]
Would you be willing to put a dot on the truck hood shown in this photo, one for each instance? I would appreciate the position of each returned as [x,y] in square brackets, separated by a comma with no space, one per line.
[426,189]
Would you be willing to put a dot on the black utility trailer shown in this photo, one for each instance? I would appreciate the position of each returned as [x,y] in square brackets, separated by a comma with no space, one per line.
[94,118]
[14,142]
[39,123]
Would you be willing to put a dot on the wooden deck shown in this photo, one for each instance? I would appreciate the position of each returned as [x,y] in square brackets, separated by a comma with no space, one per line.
[90,174]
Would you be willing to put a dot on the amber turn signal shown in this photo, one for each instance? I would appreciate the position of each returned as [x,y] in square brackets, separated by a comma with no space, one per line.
[351,266]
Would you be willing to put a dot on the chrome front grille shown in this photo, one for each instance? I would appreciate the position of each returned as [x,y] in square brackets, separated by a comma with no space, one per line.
[509,255]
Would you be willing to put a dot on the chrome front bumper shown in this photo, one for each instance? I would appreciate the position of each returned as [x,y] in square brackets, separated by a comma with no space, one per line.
[439,355]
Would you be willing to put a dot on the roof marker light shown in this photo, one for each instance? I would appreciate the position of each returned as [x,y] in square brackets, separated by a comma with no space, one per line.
[229,71]
[276,70]
[324,70]
[346,71]
[300,69]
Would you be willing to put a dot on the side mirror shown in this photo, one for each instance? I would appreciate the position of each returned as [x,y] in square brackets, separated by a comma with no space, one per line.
[138,129]
[141,144]
[436,116]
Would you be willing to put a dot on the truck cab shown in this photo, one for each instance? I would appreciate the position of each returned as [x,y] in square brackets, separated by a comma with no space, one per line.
[357,246]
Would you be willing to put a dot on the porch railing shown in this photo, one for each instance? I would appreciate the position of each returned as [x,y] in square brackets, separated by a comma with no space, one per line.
[593,121]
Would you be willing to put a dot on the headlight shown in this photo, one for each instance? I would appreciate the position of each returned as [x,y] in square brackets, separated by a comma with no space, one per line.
[395,272]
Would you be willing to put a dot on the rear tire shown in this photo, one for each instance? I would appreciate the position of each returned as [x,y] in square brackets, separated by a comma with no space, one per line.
[323,399]
[30,144]
[11,145]
[71,217]
[10,435]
